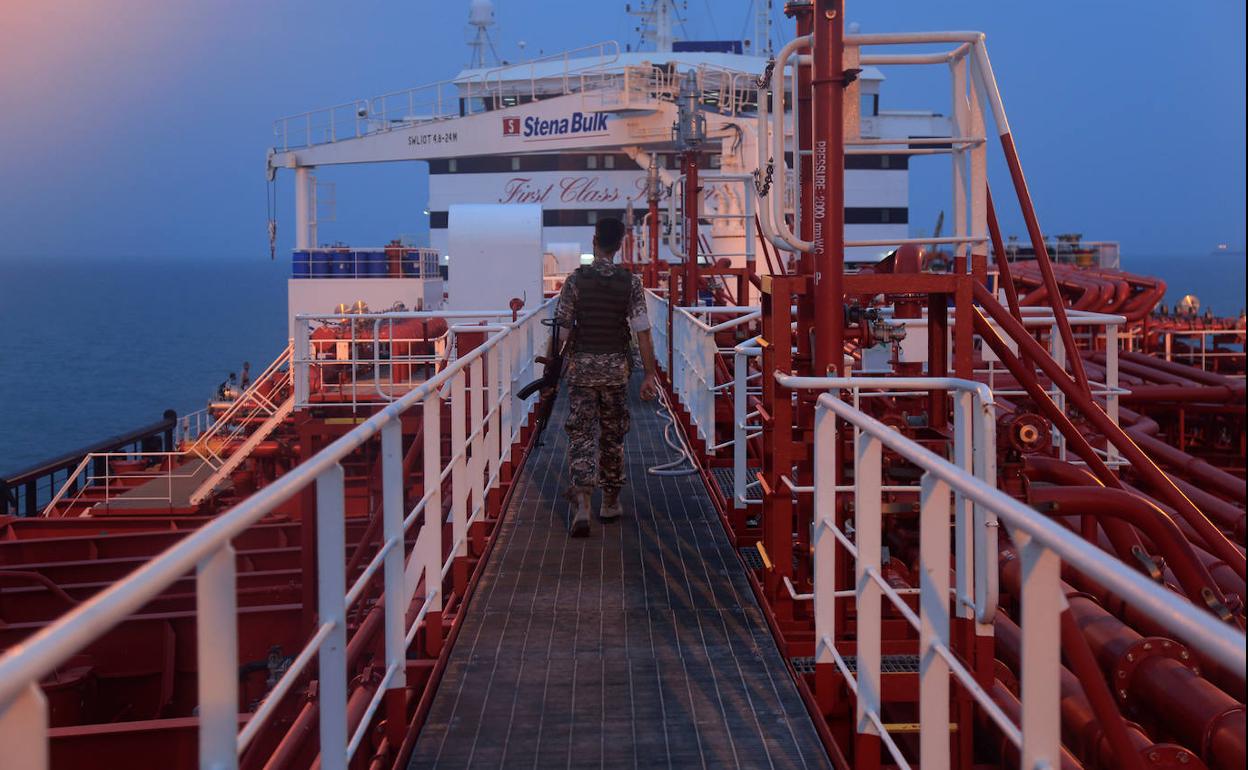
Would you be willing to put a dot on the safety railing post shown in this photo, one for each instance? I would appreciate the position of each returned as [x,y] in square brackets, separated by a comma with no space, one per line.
[459,484]
[1111,382]
[24,730]
[331,608]
[984,539]
[430,539]
[216,632]
[933,623]
[964,529]
[493,385]
[476,421]
[506,387]
[300,362]
[1040,669]
[740,373]
[867,524]
[823,541]
[392,536]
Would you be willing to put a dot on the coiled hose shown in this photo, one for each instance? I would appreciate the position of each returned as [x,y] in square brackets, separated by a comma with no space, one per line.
[686,455]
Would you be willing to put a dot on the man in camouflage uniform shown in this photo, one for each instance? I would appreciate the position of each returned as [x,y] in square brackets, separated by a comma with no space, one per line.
[601,305]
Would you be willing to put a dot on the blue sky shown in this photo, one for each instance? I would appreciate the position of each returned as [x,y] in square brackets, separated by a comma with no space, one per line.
[139,127]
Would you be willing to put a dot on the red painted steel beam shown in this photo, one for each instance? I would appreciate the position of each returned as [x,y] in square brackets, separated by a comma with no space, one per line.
[1042,257]
[1003,259]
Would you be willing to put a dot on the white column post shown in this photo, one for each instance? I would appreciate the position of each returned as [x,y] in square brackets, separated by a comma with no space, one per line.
[964,530]
[507,387]
[1111,381]
[960,124]
[494,443]
[392,536]
[305,208]
[740,370]
[979,173]
[822,536]
[985,536]
[331,592]
[24,730]
[459,468]
[431,554]
[867,523]
[934,623]
[1040,680]
[476,421]
[216,632]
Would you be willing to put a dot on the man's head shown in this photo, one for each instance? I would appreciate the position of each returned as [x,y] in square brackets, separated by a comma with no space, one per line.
[608,235]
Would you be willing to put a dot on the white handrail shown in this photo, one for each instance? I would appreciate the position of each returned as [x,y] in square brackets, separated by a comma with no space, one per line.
[208,551]
[974,450]
[777,146]
[1041,544]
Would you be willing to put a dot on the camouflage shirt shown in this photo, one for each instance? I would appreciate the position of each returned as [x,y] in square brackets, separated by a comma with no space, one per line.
[601,369]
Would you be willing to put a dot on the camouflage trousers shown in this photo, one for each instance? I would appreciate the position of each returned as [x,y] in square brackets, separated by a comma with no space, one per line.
[597,422]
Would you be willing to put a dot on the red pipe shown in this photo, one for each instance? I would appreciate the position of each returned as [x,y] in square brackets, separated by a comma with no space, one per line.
[1141,462]
[1182,370]
[1082,722]
[827,213]
[1153,672]
[1156,525]
[1009,704]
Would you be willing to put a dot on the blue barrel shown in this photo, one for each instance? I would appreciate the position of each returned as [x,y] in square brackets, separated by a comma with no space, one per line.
[300,265]
[322,264]
[343,263]
[371,264]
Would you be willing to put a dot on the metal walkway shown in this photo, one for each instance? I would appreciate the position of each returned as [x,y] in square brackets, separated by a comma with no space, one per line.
[641,646]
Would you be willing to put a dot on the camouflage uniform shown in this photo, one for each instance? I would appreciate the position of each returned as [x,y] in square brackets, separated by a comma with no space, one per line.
[598,416]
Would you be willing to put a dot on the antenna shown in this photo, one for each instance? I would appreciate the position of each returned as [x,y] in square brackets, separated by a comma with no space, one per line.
[481,17]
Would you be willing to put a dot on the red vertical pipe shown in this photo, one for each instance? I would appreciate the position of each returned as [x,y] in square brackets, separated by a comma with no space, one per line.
[827,211]
[691,228]
[802,141]
[1042,259]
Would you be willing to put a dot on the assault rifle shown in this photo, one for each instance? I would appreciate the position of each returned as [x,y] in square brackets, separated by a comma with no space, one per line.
[548,383]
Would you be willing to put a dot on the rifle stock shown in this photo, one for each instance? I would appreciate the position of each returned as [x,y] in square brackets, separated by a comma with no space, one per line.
[547,384]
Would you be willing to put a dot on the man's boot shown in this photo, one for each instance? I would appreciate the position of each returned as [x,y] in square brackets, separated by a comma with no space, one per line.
[580,514]
[610,510]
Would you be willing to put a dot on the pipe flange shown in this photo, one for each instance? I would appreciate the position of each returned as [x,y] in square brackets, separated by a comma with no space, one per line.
[1143,649]
[1169,756]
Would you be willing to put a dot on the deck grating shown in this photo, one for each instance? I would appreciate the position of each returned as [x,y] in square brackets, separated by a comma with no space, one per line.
[640,646]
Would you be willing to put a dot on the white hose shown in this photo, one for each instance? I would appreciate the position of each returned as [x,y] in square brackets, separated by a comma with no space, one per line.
[686,456]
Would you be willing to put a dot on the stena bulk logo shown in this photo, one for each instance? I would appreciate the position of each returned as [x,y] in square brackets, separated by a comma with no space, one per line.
[575,124]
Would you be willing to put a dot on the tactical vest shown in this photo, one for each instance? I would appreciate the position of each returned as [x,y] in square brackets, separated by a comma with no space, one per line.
[602,311]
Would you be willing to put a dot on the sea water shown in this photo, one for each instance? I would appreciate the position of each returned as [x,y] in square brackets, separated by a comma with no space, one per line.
[95,347]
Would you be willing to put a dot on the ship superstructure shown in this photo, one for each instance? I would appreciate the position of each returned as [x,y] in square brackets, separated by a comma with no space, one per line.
[892,510]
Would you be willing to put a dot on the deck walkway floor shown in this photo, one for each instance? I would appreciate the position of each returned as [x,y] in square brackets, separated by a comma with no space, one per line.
[640,646]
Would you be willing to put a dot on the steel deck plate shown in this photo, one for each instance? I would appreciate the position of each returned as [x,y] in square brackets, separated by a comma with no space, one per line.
[640,646]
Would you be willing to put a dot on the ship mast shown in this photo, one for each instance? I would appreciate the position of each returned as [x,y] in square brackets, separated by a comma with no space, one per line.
[656,23]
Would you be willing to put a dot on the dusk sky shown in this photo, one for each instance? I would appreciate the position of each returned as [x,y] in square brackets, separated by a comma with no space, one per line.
[139,127]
